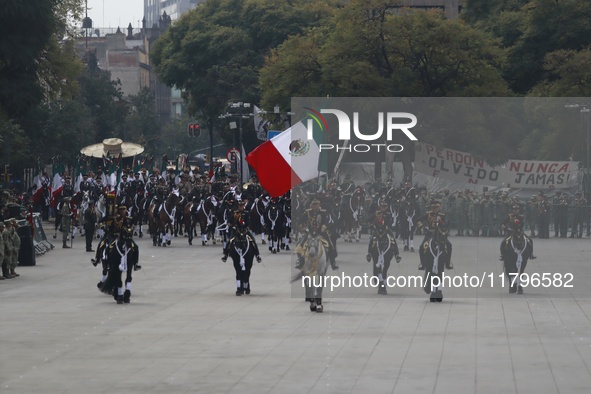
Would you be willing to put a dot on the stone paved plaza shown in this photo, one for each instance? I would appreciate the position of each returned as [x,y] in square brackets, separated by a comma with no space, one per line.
[186,332]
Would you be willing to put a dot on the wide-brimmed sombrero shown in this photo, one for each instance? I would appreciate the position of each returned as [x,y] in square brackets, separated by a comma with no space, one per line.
[112,147]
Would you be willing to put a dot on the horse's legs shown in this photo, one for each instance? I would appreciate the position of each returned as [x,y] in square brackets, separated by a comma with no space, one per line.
[238,269]
[127,293]
[246,274]
[318,293]
[118,294]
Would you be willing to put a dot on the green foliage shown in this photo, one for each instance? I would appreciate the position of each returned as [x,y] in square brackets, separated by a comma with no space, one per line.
[104,100]
[141,124]
[214,52]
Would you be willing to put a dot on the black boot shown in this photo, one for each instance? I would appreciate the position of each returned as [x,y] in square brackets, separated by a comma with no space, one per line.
[126,296]
[299,262]
[333,264]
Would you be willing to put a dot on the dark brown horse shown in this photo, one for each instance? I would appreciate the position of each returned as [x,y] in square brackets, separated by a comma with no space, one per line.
[162,222]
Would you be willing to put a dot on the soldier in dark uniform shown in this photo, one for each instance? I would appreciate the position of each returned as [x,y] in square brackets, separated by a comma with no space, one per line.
[544,217]
[317,222]
[348,186]
[122,188]
[556,209]
[162,191]
[561,216]
[253,189]
[67,188]
[86,184]
[409,192]
[376,187]
[137,183]
[170,178]
[512,219]
[90,221]
[239,219]
[579,210]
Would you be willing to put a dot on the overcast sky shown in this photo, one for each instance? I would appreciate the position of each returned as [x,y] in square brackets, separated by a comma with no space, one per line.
[116,13]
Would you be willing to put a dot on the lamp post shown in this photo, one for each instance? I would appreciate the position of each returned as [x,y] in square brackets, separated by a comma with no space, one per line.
[235,109]
[585,111]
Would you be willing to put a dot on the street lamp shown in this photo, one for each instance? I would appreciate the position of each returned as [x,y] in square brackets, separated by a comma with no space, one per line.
[586,111]
[235,109]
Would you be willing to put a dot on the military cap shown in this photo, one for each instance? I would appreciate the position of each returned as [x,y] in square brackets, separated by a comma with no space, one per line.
[68,177]
[315,201]
[67,198]
[151,176]
[435,203]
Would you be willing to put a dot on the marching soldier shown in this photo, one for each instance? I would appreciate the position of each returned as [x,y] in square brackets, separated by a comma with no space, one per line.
[531,215]
[544,217]
[66,221]
[8,248]
[90,221]
[16,247]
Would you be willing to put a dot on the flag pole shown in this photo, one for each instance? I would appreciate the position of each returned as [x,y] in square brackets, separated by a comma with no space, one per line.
[336,167]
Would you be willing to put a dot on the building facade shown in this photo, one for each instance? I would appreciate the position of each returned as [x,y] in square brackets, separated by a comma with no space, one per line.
[153,9]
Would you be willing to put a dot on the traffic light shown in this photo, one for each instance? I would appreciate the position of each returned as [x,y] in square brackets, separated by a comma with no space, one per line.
[194,130]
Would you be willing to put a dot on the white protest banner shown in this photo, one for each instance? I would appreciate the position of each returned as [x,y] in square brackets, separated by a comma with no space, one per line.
[463,167]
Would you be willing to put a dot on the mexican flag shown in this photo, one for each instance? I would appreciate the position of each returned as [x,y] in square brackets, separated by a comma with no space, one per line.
[288,159]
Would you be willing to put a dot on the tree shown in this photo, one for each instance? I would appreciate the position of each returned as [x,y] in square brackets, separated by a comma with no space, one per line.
[369,50]
[214,52]
[25,30]
[104,100]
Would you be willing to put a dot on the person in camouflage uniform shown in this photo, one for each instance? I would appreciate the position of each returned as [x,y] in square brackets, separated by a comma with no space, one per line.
[66,222]
[474,214]
[578,209]
[447,201]
[487,209]
[531,216]
[5,270]
[16,245]
[543,217]
[8,250]
[461,213]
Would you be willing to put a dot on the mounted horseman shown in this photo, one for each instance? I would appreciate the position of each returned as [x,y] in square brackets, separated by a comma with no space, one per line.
[382,246]
[516,250]
[435,250]
[316,222]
